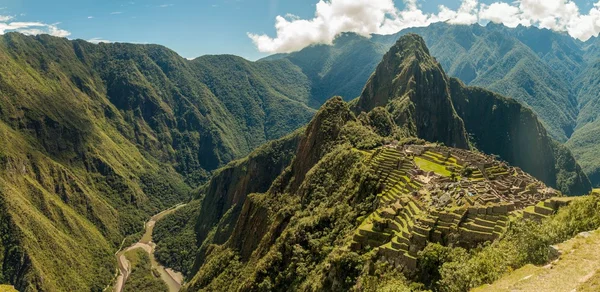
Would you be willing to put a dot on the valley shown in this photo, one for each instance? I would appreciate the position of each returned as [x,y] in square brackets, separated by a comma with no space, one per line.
[171,278]
[442,158]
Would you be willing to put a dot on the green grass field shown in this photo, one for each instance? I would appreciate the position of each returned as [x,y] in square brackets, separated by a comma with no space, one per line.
[427,165]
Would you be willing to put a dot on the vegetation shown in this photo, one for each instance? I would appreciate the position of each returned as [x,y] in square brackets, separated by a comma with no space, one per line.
[553,74]
[526,242]
[142,277]
[318,217]
[517,137]
[103,136]
[7,288]
[428,110]
[294,232]
[176,240]
[427,165]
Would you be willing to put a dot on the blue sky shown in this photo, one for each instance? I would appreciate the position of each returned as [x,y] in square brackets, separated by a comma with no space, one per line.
[192,28]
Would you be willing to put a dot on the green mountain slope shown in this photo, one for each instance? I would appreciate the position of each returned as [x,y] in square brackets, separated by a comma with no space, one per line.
[542,69]
[584,141]
[94,138]
[314,227]
[341,69]
[415,90]
[504,127]
[413,87]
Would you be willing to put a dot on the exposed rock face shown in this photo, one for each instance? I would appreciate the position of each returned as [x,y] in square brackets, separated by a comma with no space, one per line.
[506,128]
[415,89]
[412,86]
[255,222]
[227,191]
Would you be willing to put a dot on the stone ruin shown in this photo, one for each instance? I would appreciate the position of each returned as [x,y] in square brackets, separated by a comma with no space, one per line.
[455,197]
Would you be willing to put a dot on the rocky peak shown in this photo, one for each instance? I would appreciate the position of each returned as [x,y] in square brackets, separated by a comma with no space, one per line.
[412,85]
[320,136]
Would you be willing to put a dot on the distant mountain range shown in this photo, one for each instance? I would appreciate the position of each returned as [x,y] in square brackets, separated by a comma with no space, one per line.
[313,226]
[552,73]
[95,138]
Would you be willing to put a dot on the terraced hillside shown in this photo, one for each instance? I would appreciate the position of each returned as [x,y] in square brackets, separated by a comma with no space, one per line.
[551,73]
[342,197]
[445,195]
[577,269]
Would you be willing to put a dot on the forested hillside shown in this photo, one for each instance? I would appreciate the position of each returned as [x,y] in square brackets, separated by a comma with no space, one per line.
[94,138]
[324,222]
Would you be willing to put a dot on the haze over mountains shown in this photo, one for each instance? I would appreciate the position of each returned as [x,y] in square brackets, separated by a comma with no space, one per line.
[96,138]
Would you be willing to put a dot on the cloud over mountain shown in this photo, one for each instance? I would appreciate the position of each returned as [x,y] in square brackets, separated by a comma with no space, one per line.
[30,28]
[366,17]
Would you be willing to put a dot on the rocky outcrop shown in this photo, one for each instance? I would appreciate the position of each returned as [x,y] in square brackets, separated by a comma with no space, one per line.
[413,86]
[321,135]
[504,127]
[227,191]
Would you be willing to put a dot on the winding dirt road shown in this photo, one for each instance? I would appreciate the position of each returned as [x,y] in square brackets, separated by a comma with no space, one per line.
[172,278]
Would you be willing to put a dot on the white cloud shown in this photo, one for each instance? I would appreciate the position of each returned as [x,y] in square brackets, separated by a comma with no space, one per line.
[4,18]
[90,17]
[98,40]
[466,13]
[32,28]
[502,13]
[116,12]
[366,17]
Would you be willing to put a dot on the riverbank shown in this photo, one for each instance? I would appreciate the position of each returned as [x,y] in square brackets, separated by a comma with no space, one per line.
[173,279]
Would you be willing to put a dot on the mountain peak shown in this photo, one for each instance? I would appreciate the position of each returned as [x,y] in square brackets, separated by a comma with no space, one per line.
[412,86]
[412,44]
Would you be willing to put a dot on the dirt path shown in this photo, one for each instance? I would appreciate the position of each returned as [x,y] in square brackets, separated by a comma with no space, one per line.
[172,278]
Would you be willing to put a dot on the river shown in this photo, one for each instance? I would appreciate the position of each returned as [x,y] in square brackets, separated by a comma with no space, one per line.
[172,278]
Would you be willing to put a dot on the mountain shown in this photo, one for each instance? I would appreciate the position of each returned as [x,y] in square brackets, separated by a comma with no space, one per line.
[95,138]
[354,199]
[341,69]
[414,89]
[584,141]
[539,68]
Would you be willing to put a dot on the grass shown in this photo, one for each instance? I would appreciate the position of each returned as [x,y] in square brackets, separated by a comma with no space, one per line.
[576,270]
[427,165]
[591,285]
[7,288]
